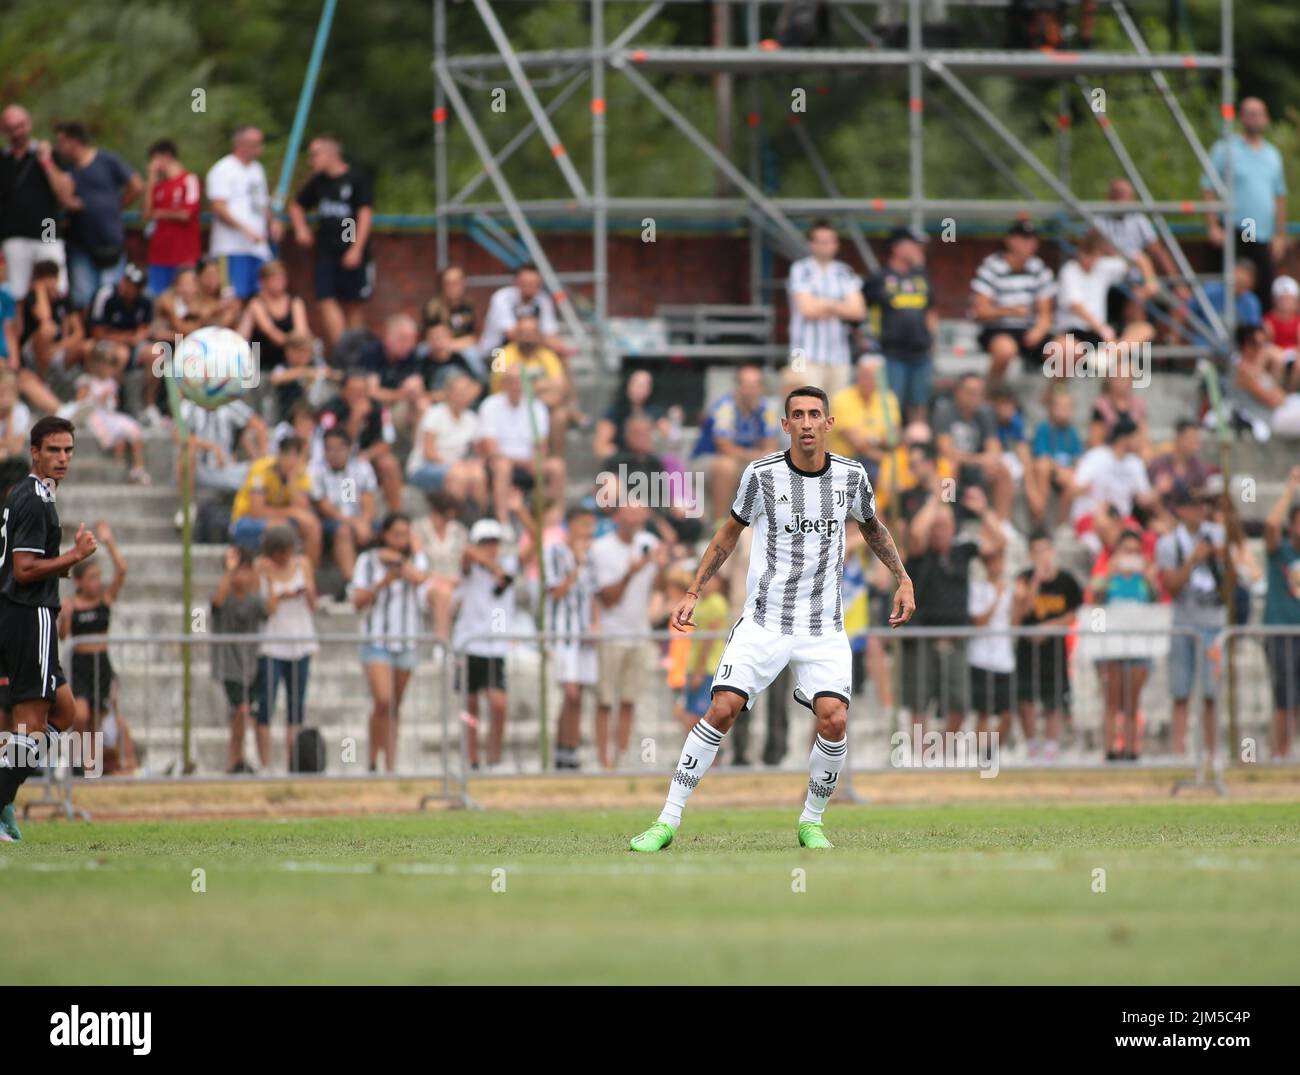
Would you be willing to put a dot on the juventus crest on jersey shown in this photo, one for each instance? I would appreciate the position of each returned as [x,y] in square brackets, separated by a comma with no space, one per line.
[797,558]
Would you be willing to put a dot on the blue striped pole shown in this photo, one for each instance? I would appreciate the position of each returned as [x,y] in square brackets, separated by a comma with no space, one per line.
[304,103]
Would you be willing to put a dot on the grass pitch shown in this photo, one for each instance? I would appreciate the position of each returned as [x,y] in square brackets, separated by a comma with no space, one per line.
[1194,893]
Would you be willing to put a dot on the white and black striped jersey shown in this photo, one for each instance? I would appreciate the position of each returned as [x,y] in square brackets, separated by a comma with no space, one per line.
[570,615]
[825,339]
[1006,286]
[222,426]
[342,488]
[398,608]
[797,557]
[29,523]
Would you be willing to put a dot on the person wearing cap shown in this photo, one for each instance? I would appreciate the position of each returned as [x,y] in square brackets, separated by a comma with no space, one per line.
[486,612]
[900,297]
[1111,475]
[121,315]
[1191,559]
[1012,295]
[825,295]
[1282,326]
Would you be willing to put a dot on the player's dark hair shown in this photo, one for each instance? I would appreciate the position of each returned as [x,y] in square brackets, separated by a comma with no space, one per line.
[166,147]
[808,390]
[48,426]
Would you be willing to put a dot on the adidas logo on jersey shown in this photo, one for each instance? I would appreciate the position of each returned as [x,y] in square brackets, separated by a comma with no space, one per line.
[783,499]
[801,524]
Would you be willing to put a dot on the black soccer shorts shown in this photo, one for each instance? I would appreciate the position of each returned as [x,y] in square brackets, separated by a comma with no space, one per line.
[29,651]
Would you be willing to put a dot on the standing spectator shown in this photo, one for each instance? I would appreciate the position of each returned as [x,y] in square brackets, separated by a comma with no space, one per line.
[868,422]
[443,453]
[243,226]
[487,610]
[632,400]
[442,537]
[1012,295]
[571,615]
[238,608]
[275,493]
[172,200]
[1259,195]
[1181,466]
[121,317]
[510,430]
[1083,287]
[1191,562]
[343,198]
[1044,596]
[272,316]
[34,192]
[387,588]
[992,656]
[629,564]
[739,428]
[288,583]
[825,294]
[1282,609]
[343,493]
[365,422]
[450,309]
[1131,234]
[967,436]
[52,336]
[105,185]
[523,298]
[903,296]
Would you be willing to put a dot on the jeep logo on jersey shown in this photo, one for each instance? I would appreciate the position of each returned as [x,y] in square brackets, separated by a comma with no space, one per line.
[801,524]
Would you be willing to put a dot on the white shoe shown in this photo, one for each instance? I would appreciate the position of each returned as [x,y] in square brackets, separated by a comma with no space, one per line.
[152,417]
[179,518]
[140,476]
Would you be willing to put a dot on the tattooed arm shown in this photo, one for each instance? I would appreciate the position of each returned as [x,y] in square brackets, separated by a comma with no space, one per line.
[881,543]
[722,546]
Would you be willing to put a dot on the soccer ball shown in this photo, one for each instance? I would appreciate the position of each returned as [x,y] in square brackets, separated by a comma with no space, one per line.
[215,366]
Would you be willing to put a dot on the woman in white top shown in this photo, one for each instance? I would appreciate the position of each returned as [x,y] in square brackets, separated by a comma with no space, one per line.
[388,590]
[441,537]
[288,636]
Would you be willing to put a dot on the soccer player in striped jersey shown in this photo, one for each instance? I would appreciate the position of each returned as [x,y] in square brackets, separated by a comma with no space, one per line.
[799,502]
[571,587]
[41,702]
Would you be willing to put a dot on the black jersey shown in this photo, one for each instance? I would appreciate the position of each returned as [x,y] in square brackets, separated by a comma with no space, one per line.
[29,523]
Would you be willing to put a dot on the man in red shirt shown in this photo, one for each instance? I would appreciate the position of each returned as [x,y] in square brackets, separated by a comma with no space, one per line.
[171,205]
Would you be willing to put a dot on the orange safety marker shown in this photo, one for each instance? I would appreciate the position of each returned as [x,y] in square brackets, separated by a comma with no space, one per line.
[638,56]
[916,104]
[1228,111]
[752,119]
[557,150]
[598,106]
[439,115]
[1063,121]
[1185,206]
[877,203]
[1189,62]
[559,296]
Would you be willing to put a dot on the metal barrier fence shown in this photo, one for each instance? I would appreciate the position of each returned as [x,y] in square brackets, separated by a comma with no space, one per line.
[1266,679]
[1115,672]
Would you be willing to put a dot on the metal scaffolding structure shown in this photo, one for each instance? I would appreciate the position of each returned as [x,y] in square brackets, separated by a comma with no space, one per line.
[774,221]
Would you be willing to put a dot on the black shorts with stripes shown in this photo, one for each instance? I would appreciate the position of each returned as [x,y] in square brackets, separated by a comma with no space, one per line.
[29,651]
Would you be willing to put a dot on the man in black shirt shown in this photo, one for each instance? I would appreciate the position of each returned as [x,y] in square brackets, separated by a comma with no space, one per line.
[1045,596]
[900,294]
[34,191]
[121,315]
[361,416]
[342,197]
[41,703]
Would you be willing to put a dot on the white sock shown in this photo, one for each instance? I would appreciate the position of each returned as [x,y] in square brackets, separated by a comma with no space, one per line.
[701,747]
[824,764]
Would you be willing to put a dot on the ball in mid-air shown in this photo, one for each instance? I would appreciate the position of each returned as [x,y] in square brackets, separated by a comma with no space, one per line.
[216,366]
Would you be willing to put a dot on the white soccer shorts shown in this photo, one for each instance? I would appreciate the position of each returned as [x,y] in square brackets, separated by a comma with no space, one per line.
[755,656]
[574,662]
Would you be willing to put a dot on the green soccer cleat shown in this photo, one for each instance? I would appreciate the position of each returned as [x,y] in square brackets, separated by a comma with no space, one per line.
[655,838]
[9,823]
[812,836]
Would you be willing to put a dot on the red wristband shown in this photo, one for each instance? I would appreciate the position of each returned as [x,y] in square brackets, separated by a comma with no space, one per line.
[692,593]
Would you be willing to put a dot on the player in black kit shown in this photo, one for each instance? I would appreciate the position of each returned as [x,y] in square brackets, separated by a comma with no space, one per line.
[41,703]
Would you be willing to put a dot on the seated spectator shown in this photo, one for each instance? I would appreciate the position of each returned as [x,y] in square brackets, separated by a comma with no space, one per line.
[903,294]
[343,494]
[511,433]
[633,399]
[366,424]
[442,537]
[343,198]
[15,419]
[272,315]
[8,316]
[451,310]
[967,436]
[52,336]
[923,479]
[176,310]
[96,404]
[637,466]
[1083,285]
[121,316]
[303,375]
[1253,392]
[1249,311]
[173,197]
[739,428]
[443,454]
[223,443]
[1181,465]
[523,298]
[443,364]
[1132,234]
[1282,326]
[397,371]
[1128,578]
[304,422]
[1111,474]
[868,421]
[1282,609]
[1012,296]
[1115,399]
[217,304]
[276,492]
[1009,422]
[548,375]
[1056,449]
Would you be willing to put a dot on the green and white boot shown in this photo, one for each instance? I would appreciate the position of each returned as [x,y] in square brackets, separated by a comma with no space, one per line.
[812,836]
[655,838]
[9,823]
